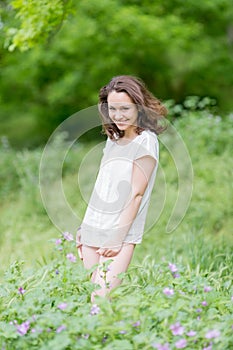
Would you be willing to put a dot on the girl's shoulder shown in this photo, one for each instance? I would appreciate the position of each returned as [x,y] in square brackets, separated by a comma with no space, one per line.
[147,145]
[147,136]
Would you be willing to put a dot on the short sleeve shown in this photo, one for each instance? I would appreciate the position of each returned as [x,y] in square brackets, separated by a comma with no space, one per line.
[107,144]
[148,146]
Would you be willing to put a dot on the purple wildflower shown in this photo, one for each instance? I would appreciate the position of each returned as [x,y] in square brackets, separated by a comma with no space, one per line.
[68,236]
[161,346]
[177,329]
[212,334]
[57,272]
[23,328]
[62,306]
[199,310]
[191,333]
[122,332]
[172,267]
[207,289]
[168,291]
[176,275]
[180,344]
[204,303]
[94,310]
[71,257]
[61,328]
[136,324]
[58,241]
[21,291]
[86,336]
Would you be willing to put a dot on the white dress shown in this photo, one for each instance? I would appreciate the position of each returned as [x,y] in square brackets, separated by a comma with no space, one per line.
[100,226]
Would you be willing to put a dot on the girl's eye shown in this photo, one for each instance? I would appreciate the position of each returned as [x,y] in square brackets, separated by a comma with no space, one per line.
[125,108]
[111,108]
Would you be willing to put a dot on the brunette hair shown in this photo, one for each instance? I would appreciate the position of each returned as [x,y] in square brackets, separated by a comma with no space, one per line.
[150,109]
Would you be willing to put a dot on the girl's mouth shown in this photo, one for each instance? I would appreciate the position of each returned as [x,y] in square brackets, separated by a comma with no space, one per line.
[122,122]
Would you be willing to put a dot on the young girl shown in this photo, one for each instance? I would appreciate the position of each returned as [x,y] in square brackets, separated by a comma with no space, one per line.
[114,220]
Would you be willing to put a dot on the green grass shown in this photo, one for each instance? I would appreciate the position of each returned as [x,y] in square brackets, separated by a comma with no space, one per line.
[201,247]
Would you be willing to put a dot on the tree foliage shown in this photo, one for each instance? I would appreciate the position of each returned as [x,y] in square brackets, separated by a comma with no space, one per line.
[177,49]
[36,21]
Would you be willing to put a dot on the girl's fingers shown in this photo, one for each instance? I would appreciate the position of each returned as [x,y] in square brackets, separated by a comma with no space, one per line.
[79,246]
[100,251]
[80,253]
[78,238]
[103,252]
[78,241]
[108,253]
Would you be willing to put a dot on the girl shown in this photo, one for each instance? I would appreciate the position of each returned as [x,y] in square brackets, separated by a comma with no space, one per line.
[114,220]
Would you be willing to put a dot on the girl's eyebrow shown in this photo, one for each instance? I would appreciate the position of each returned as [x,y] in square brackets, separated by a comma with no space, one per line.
[119,105]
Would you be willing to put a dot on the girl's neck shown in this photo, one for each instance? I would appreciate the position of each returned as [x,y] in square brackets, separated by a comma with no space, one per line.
[130,133]
[127,138]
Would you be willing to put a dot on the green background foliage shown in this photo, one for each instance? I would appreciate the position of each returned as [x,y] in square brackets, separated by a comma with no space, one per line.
[177,49]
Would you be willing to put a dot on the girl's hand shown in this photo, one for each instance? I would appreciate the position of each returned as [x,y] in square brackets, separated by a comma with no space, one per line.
[78,243]
[80,252]
[78,238]
[108,252]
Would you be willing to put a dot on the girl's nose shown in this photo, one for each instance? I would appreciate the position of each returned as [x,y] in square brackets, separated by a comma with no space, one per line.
[118,115]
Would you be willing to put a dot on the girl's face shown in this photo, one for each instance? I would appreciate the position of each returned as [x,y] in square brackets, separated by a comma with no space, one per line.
[122,111]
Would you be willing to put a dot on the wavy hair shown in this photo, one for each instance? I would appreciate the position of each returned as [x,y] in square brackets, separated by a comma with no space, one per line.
[150,109]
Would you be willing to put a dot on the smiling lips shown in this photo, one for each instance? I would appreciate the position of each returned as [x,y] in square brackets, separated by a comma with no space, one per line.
[121,122]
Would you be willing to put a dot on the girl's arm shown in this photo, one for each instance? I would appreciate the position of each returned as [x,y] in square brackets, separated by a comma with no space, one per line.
[142,170]
[78,243]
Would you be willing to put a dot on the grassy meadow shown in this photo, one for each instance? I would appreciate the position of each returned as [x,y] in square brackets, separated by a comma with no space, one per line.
[178,291]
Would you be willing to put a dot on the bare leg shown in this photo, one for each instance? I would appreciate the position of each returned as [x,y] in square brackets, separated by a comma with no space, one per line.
[119,264]
[90,257]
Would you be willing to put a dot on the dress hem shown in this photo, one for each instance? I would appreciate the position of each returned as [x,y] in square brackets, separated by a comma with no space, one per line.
[96,246]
